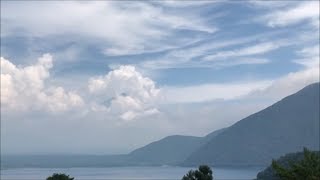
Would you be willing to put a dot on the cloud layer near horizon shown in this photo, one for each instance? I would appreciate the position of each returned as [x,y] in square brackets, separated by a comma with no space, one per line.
[125,93]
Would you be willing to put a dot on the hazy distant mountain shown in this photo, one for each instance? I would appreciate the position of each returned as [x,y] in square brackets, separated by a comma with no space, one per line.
[169,150]
[286,126]
[213,134]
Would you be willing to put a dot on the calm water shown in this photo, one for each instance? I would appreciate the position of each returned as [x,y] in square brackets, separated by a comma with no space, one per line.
[124,173]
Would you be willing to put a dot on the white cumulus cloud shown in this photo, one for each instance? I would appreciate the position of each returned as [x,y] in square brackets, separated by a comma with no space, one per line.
[124,92]
[24,88]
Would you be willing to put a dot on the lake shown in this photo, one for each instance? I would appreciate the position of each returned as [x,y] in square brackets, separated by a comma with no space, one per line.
[125,173]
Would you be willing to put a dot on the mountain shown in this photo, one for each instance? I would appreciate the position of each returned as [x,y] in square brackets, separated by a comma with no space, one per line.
[213,134]
[170,150]
[286,126]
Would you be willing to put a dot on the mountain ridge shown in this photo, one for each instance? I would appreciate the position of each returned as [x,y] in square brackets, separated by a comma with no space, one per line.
[275,130]
[170,150]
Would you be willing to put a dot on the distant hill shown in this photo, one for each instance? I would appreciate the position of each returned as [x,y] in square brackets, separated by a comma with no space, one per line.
[286,126]
[170,150]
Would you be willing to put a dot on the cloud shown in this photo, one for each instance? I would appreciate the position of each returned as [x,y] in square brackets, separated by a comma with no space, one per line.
[210,92]
[25,88]
[180,4]
[189,55]
[124,92]
[309,56]
[241,61]
[122,28]
[260,48]
[304,11]
[255,91]
[286,85]
[130,115]
[271,4]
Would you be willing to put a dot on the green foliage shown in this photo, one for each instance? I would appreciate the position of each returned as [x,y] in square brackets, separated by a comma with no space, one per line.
[204,172]
[57,176]
[308,168]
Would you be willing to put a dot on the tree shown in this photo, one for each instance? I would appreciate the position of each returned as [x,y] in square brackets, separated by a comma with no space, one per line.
[57,176]
[308,168]
[189,176]
[204,172]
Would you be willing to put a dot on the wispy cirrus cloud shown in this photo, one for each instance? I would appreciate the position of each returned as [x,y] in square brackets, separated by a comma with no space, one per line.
[123,28]
[309,56]
[256,49]
[213,54]
[271,4]
[181,4]
[303,11]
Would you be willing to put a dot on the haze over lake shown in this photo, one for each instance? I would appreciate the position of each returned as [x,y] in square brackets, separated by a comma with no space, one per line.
[123,173]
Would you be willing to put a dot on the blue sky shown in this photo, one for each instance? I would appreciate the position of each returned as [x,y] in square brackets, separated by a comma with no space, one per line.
[109,67]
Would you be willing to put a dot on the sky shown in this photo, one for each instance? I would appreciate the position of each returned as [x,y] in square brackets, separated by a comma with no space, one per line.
[106,77]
